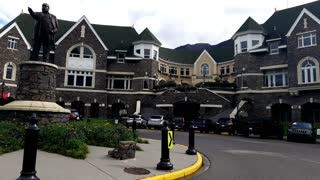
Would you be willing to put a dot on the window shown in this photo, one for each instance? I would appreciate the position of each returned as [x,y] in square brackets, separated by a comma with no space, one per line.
[276,78]
[121,57]
[255,42]
[308,39]
[204,70]
[79,78]
[236,49]
[155,54]
[227,69]
[81,52]
[172,70]
[244,46]
[9,71]
[163,68]
[12,43]
[146,53]
[145,84]
[187,72]
[119,82]
[274,48]
[308,72]
[138,51]
[182,71]
[222,71]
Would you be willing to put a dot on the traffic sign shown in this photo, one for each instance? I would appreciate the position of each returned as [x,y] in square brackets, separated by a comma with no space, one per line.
[170,140]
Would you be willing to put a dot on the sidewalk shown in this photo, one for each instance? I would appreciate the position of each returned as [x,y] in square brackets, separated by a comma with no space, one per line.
[98,166]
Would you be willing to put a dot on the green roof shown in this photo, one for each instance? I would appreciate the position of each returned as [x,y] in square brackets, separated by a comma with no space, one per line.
[114,37]
[250,24]
[284,19]
[179,56]
[146,35]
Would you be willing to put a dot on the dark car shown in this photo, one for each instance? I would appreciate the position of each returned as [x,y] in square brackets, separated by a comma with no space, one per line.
[302,131]
[265,127]
[225,125]
[180,123]
[202,124]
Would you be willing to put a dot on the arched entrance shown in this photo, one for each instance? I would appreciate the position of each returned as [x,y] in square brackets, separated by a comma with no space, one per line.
[79,106]
[281,113]
[187,109]
[116,107]
[310,112]
[94,110]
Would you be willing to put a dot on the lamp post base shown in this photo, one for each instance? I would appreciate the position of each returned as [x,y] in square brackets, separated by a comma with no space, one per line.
[191,151]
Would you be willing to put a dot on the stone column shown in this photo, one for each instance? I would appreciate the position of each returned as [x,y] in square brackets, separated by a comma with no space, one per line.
[37,81]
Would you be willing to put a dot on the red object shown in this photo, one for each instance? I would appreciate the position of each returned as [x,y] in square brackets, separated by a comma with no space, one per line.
[5,95]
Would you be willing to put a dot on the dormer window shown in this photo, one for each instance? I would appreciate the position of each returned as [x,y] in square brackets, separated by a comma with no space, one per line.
[121,57]
[147,53]
[274,47]
[12,43]
[244,46]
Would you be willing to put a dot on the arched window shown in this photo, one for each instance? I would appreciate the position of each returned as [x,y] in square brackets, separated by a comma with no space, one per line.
[308,72]
[80,64]
[204,70]
[9,71]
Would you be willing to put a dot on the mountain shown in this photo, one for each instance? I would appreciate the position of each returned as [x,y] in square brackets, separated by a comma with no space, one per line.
[202,46]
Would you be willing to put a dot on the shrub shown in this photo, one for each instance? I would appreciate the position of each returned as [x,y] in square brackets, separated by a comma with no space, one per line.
[11,137]
[63,139]
[103,133]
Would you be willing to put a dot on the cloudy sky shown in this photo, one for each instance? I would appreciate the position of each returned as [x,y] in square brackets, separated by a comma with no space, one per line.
[173,22]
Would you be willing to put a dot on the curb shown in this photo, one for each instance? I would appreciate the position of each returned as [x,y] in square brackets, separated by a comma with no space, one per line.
[180,173]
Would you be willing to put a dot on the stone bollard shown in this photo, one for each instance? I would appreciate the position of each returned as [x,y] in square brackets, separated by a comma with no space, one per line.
[191,150]
[164,163]
[30,151]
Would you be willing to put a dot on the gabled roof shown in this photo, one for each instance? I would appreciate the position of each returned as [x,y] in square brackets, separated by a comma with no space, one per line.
[250,25]
[111,36]
[283,20]
[147,36]
[20,32]
[83,18]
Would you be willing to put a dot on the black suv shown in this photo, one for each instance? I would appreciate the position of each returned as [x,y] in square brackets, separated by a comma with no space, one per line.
[203,125]
[225,125]
[302,131]
[265,128]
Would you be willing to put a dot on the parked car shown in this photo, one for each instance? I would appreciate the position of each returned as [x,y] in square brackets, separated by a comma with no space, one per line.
[225,125]
[203,124]
[265,127]
[156,121]
[302,131]
[141,122]
[180,123]
[74,115]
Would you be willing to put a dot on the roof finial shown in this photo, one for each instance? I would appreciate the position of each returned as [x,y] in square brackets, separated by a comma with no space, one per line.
[275,9]
[21,11]
[133,25]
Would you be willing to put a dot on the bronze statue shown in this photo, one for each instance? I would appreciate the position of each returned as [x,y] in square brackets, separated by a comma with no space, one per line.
[43,34]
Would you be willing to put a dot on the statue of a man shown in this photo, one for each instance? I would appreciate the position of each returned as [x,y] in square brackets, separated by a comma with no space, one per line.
[43,34]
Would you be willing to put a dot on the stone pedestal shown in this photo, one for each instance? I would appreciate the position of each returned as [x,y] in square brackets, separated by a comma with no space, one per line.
[36,92]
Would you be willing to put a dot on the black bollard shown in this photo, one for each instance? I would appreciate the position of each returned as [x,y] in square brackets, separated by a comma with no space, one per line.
[30,151]
[164,163]
[191,150]
[172,127]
